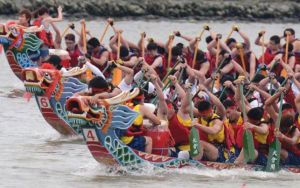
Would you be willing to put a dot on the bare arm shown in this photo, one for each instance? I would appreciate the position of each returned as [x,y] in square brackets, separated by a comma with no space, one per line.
[59,17]
[103,59]
[57,36]
[217,127]
[245,38]
[252,65]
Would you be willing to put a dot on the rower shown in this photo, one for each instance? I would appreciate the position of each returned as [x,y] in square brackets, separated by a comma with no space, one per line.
[273,47]
[97,53]
[75,49]
[45,19]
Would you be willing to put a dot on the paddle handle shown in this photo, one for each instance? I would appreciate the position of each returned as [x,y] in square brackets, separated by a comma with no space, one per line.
[195,53]
[277,125]
[143,47]
[104,32]
[243,103]
[65,31]
[243,60]
[83,32]
[229,35]
[287,48]
[263,49]
[170,52]
[173,68]
[119,45]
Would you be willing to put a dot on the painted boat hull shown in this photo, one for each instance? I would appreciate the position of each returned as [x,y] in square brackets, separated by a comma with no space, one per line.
[98,147]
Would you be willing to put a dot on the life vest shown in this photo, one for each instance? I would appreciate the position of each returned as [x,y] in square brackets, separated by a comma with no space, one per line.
[234,133]
[262,141]
[162,70]
[136,127]
[289,97]
[212,63]
[74,56]
[45,36]
[190,57]
[297,58]
[278,68]
[98,55]
[268,56]
[179,132]
[247,57]
[291,148]
[213,138]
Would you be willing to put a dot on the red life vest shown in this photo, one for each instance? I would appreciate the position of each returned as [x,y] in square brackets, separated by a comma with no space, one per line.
[212,63]
[74,56]
[98,55]
[45,36]
[289,97]
[179,132]
[234,134]
[161,71]
[268,56]
[297,58]
[295,149]
[247,57]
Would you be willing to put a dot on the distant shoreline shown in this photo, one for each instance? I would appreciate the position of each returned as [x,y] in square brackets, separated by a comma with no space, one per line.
[192,10]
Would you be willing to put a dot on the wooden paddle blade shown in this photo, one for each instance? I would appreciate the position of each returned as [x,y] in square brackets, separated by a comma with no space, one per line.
[248,146]
[117,76]
[194,142]
[274,156]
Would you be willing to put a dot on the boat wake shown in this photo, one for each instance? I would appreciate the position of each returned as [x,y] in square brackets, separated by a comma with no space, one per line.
[95,170]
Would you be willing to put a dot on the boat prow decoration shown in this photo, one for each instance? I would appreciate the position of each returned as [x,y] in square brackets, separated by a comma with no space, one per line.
[51,91]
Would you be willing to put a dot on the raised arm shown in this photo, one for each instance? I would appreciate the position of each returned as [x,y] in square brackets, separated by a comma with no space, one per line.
[215,100]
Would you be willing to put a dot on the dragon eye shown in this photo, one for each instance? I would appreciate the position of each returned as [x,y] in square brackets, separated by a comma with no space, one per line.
[47,76]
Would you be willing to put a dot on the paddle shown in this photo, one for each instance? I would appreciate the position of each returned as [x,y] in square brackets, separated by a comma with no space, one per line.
[89,74]
[284,72]
[205,27]
[247,136]
[194,134]
[143,35]
[240,47]
[171,39]
[217,71]
[275,147]
[218,38]
[109,22]
[234,28]
[179,60]
[66,30]
[117,73]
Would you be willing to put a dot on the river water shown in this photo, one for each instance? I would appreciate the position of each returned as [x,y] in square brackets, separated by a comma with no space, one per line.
[34,155]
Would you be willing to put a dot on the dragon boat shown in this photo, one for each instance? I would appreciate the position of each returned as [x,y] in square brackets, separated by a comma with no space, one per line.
[101,122]
[22,48]
[51,89]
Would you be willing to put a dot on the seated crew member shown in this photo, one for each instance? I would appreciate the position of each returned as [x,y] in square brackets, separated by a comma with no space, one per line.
[231,42]
[97,54]
[212,127]
[153,58]
[262,135]
[273,47]
[296,44]
[288,133]
[74,49]
[134,136]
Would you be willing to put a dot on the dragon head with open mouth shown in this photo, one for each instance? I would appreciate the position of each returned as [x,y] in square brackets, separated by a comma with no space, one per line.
[104,114]
[43,81]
